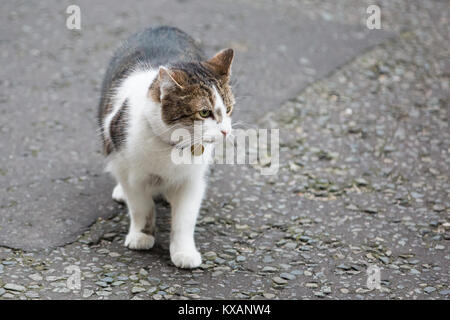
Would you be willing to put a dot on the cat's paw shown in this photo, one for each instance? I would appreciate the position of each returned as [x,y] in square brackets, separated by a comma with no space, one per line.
[186,259]
[118,194]
[139,241]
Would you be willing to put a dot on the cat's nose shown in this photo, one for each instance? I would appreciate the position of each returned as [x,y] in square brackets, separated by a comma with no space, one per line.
[224,132]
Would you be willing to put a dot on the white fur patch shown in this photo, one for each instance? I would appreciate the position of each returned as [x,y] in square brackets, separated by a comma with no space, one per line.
[118,194]
[187,259]
[139,241]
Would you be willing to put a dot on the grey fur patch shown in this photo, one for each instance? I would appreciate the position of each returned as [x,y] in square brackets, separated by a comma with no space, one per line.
[218,115]
[150,226]
[155,180]
[118,126]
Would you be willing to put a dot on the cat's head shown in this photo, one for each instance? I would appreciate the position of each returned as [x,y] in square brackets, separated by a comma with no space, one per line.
[195,93]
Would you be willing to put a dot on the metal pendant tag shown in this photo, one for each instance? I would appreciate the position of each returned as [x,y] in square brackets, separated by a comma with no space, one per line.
[197,150]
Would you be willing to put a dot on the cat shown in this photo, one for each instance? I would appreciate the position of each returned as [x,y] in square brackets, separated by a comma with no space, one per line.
[159,81]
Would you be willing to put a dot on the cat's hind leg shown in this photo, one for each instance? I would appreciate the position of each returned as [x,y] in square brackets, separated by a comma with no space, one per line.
[118,194]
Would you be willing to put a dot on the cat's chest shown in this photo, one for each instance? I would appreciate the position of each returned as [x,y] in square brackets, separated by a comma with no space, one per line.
[174,165]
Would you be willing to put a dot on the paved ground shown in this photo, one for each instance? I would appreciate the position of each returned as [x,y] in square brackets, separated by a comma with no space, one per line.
[364,154]
[54,187]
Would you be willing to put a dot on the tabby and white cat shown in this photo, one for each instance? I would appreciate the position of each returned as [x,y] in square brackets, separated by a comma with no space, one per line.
[157,82]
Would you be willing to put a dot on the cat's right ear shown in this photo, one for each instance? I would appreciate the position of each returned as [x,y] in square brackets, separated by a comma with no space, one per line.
[169,77]
[165,80]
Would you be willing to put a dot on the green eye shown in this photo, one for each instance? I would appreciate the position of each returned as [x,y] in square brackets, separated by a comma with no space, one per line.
[205,113]
[228,110]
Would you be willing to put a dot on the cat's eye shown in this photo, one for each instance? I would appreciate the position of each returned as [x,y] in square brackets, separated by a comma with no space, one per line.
[205,113]
[228,110]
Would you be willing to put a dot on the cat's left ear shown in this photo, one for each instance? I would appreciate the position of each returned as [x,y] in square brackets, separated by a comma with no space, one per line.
[166,79]
[220,64]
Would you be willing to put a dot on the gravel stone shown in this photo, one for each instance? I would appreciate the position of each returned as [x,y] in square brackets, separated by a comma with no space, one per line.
[287,276]
[135,290]
[35,277]
[429,289]
[444,292]
[269,296]
[279,280]
[269,269]
[87,293]
[14,287]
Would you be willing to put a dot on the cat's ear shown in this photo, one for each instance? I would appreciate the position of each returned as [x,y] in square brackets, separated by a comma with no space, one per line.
[220,64]
[166,79]
[171,77]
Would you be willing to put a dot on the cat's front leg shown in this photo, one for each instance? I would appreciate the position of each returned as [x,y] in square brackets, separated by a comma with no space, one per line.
[141,208]
[185,201]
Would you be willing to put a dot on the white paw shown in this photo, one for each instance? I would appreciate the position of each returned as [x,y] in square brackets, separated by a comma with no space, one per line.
[118,194]
[187,259]
[139,241]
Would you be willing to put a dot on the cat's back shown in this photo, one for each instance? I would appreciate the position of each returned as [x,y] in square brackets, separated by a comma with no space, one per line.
[157,46]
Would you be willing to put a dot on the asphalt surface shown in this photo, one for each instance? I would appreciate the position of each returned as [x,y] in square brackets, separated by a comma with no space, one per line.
[363,177]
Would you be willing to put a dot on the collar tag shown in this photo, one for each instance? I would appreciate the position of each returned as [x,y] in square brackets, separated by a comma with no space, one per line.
[197,150]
